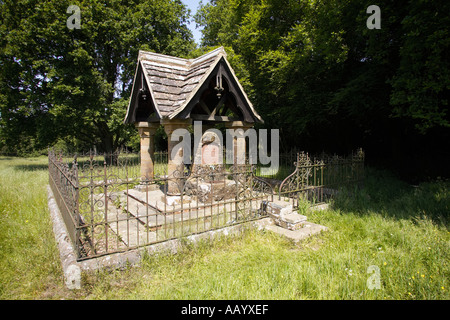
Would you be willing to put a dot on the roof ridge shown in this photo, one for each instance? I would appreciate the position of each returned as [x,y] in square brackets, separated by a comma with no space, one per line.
[209,55]
[187,63]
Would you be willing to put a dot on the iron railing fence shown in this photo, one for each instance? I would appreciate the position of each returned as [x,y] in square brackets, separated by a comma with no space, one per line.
[108,207]
[318,179]
[286,164]
[63,180]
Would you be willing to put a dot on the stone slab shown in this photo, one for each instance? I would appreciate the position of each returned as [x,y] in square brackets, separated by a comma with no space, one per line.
[70,267]
[274,208]
[279,208]
[158,200]
[308,230]
[294,217]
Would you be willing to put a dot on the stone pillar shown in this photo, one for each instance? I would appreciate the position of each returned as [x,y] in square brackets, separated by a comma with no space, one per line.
[147,132]
[175,166]
[239,143]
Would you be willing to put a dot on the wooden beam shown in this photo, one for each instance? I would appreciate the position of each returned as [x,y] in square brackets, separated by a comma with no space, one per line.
[219,105]
[205,117]
[224,110]
[204,107]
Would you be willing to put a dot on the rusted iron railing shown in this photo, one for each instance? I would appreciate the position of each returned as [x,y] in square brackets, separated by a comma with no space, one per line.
[317,180]
[109,208]
[63,180]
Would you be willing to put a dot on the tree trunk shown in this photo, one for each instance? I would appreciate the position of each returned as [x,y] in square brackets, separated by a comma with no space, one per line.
[111,151]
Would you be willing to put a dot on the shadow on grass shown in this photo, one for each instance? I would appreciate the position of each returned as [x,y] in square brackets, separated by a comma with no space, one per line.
[390,197]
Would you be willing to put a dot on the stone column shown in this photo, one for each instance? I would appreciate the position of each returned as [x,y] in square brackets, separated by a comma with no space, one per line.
[147,132]
[175,166]
[239,143]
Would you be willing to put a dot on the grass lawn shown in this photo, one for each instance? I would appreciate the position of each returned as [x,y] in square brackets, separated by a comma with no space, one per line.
[401,229]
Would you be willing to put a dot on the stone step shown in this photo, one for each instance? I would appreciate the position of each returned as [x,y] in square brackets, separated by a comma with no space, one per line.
[291,221]
[279,208]
[308,230]
[284,216]
[130,231]
[293,217]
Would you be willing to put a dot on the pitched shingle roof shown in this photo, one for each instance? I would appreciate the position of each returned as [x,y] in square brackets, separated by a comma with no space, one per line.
[173,81]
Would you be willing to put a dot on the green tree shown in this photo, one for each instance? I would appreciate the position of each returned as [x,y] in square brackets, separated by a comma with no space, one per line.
[292,51]
[422,82]
[57,82]
[317,72]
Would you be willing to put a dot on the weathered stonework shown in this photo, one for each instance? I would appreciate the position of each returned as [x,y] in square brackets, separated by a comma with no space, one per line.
[71,269]
[284,216]
[290,224]
[175,167]
[147,133]
[292,221]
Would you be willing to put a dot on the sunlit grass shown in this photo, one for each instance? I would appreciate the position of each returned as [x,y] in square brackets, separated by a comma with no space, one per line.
[29,260]
[401,229]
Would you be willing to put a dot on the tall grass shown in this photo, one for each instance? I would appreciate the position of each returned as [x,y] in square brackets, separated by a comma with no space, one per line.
[401,229]
[29,261]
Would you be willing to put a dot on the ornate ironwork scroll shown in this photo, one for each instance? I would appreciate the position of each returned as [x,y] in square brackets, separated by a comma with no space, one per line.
[317,180]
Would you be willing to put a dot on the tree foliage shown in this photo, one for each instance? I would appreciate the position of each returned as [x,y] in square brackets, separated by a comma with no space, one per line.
[422,82]
[311,67]
[74,84]
[328,82]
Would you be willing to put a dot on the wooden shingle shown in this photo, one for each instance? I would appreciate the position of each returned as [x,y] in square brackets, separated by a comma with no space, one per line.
[173,82]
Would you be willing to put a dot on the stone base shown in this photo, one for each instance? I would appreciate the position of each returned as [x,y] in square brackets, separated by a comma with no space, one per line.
[284,216]
[308,230]
[211,191]
[290,221]
[279,209]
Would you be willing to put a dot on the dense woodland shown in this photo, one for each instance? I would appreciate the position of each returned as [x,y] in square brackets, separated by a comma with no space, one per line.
[312,69]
